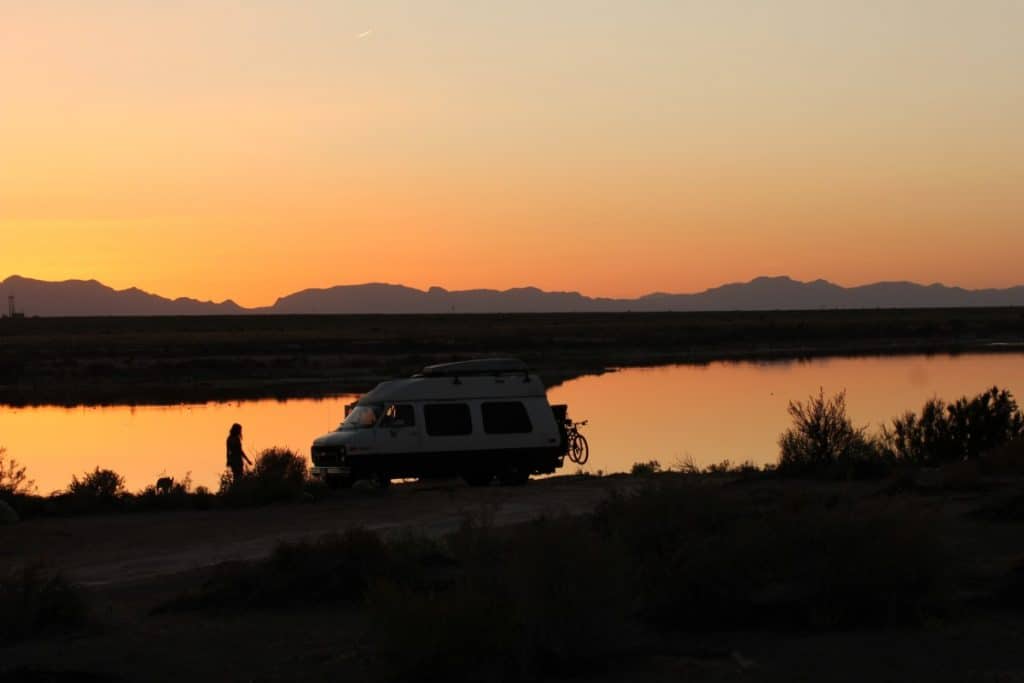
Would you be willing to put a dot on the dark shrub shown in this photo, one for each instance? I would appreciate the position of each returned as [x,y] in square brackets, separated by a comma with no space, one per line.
[281,465]
[645,468]
[702,557]
[920,440]
[1007,459]
[97,491]
[984,422]
[98,484]
[35,602]
[746,468]
[332,568]
[203,499]
[542,598]
[963,430]
[1004,506]
[13,479]
[1010,593]
[177,496]
[823,441]
[278,474]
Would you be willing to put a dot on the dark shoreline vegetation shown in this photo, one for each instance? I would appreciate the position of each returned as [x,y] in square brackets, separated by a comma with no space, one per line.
[96,361]
[979,434]
[848,533]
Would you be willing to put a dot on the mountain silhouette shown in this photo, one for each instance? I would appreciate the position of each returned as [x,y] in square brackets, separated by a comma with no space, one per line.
[384,298]
[91,298]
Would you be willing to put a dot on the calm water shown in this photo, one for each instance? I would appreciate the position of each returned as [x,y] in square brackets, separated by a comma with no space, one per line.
[708,413]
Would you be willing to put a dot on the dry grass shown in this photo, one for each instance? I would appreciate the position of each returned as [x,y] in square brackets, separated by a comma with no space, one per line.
[36,602]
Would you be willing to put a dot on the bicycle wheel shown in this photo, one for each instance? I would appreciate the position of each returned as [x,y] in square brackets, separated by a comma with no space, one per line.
[571,448]
[582,449]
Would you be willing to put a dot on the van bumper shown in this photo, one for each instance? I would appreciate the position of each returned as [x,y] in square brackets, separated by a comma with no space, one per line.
[333,471]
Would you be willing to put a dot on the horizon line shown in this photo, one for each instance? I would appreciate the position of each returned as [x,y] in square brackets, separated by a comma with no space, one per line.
[427,290]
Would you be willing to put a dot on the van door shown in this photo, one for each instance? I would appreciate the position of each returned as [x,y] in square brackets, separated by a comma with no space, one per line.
[398,438]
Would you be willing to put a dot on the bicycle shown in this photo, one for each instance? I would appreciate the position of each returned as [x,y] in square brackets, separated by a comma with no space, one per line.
[578,448]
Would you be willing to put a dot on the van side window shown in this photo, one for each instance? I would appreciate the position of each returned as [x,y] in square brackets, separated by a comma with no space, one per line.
[506,418]
[397,415]
[447,419]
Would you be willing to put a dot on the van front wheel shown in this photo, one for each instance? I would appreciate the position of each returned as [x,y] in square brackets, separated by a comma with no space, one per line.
[514,477]
[338,481]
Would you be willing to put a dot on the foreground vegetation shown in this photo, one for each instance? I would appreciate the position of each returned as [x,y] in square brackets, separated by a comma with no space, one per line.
[824,442]
[663,563]
[566,595]
[124,360]
[278,475]
[36,602]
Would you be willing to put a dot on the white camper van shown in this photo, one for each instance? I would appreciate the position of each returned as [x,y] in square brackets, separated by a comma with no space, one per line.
[477,419]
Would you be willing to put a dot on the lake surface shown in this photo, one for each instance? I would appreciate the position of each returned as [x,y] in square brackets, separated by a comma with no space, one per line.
[710,413]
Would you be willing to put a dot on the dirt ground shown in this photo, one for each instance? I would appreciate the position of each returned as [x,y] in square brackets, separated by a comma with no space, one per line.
[114,550]
[131,563]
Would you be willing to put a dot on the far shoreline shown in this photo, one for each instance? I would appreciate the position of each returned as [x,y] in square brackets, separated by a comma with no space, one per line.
[286,389]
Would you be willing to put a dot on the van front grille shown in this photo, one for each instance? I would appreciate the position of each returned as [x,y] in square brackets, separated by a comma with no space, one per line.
[326,457]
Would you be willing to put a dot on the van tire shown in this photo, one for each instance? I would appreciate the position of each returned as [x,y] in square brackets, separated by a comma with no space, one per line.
[377,480]
[514,477]
[478,478]
[338,481]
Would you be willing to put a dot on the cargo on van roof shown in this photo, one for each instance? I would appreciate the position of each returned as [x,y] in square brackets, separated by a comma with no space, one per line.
[483,366]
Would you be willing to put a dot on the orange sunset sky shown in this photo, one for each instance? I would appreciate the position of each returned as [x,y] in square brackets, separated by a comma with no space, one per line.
[248,149]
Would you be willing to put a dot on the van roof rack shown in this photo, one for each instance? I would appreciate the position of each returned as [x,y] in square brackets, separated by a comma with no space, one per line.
[482,366]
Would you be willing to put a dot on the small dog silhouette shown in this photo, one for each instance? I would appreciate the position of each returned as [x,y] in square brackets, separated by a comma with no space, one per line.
[164,484]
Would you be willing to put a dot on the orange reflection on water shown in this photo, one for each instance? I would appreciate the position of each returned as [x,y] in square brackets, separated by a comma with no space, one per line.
[736,411]
[144,442]
[708,413]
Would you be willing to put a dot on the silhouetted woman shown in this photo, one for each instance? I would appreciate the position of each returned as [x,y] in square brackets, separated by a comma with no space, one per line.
[236,456]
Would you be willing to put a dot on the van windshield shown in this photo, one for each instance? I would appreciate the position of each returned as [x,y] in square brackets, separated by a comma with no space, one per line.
[361,417]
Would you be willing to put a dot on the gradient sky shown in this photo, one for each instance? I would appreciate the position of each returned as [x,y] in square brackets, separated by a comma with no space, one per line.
[249,149]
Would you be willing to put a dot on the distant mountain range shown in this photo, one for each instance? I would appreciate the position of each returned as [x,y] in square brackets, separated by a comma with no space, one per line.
[92,298]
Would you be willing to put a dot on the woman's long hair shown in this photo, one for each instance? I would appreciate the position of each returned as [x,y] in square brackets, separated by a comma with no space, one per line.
[236,430]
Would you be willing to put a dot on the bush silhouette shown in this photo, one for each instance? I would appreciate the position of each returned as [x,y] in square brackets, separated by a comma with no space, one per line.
[963,430]
[176,496]
[645,468]
[99,484]
[278,474]
[13,479]
[823,439]
[100,489]
[281,464]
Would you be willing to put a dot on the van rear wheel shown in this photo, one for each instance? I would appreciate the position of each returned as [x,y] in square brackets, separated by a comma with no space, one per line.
[478,478]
